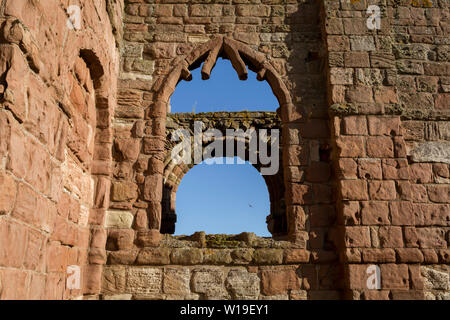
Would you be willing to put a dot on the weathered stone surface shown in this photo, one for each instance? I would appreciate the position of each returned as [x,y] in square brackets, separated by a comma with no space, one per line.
[14,93]
[394,276]
[124,191]
[375,212]
[296,256]
[120,239]
[124,296]
[119,219]
[298,295]
[220,257]
[102,194]
[209,282]
[150,238]
[375,295]
[123,257]
[154,256]
[274,282]
[243,285]
[141,220]
[357,237]
[13,284]
[408,255]
[12,233]
[186,256]
[176,281]
[128,148]
[88,125]
[382,190]
[153,188]
[143,280]
[435,279]
[378,255]
[275,297]
[354,190]
[358,276]
[242,256]
[425,238]
[114,280]
[8,194]
[268,256]
[390,237]
[431,152]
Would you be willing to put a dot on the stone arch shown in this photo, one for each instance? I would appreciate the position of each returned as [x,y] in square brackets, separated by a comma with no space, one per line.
[100,166]
[241,57]
[174,172]
[94,65]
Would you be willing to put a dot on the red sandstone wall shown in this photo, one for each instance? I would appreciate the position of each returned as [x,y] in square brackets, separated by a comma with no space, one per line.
[158,36]
[372,78]
[64,144]
[57,96]
[387,90]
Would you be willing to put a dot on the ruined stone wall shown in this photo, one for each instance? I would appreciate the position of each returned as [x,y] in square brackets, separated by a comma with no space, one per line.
[383,203]
[281,41]
[57,96]
[389,96]
[158,37]
[203,266]
[365,148]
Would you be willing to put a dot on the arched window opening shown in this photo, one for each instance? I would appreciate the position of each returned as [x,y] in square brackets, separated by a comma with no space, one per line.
[222,92]
[222,198]
[214,107]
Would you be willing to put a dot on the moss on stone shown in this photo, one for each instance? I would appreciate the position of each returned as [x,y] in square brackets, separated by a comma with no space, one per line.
[221,241]
[395,109]
[343,108]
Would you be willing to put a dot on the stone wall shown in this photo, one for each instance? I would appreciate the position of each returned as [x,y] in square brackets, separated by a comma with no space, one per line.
[280,40]
[159,36]
[387,90]
[84,130]
[57,94]
[203,266]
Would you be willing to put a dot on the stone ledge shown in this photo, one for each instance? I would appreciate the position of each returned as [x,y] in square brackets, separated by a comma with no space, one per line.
[347,109]
[190,256]
[242,240]
[225,114]
[232,120]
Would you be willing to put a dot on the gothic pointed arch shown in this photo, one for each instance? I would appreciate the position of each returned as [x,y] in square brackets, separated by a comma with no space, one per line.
[240,55]
[242,58]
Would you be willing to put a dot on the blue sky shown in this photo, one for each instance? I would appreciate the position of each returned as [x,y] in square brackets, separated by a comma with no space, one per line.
[222,198]
[223,92]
